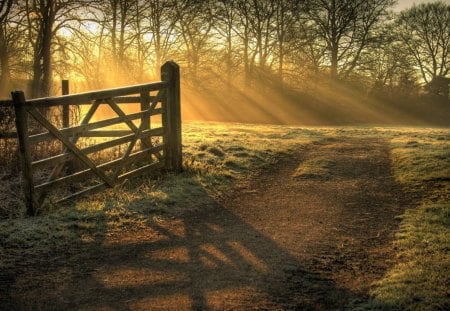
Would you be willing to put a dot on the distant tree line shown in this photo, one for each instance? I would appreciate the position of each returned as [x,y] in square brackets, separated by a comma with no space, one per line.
[286,42]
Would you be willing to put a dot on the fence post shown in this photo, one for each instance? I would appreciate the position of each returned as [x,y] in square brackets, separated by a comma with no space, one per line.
[65,108]
[170,73]
[24,150]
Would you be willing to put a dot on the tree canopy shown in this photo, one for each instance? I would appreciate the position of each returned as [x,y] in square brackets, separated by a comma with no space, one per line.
[108,42]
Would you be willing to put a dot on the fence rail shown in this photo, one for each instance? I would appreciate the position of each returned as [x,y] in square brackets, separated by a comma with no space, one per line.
[6,103]
[87,97]
[144,146]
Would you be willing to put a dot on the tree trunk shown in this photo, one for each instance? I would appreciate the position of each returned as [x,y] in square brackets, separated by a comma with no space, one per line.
[114,29]
[46,52]
[280,62]
[42,73]
[158,54]
[229,57]
[5,77]
[334,62]
[4,64]
[123,21]
[247,75]
[37,67]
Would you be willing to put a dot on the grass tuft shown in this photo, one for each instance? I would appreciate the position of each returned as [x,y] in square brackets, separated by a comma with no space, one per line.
[319,167]
[216,151]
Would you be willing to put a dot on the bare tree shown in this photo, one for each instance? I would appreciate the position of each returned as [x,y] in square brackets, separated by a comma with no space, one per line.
[194,23]
[345,26]
[44,19]
[262,26]
[244,32]
[286,21]
[158,27]
[425,32]
[225,17]
[5,7]
[257,30]
[122,16]
[388,67]
[41,16]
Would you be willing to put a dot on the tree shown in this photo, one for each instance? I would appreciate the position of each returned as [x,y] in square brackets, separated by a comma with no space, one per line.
[122,16]
[286,20]
[388,67]
[243,31]
[256,28]
[159,24]
[5,7]
[346,28]
[425,32]
[225,16]
[262,27]
[194,24]
[44,19]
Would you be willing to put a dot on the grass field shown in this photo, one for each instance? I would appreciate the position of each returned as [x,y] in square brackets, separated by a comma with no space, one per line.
[217,156]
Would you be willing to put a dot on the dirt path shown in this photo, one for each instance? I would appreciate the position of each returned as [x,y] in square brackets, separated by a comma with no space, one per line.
[277,243]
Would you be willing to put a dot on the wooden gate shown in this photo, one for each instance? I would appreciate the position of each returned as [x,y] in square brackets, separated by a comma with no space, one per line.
[144,146]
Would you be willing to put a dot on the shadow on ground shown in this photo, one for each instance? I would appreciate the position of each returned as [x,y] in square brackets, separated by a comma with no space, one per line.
[210,258]
[202,260]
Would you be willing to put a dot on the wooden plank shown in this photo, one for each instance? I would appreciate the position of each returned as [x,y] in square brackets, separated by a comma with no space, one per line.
[122,140]
[105,133]
[134,157]
[81,156]
[92,110]
[157,99]
[143,153]
[143,170]
[129,99]
[87,173]
[91,189]
[58,167]
[137,135]
[76,130]
[24,152]
[122,114]
[130,124]
[80,175]
[61,158]
[84,103]
[76,99]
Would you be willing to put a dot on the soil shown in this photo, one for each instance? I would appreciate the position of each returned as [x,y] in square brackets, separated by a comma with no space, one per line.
[277,242]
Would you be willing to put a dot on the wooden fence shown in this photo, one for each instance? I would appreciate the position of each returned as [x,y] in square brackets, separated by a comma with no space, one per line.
[145,145]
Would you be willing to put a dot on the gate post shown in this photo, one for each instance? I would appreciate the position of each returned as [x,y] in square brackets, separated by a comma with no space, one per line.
[170,73]
[24,151]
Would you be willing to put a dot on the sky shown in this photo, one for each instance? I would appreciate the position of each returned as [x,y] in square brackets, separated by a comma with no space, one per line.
[403,4]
